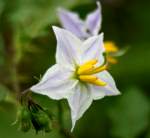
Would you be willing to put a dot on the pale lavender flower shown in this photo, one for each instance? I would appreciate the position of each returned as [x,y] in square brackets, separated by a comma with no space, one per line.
[83,29]
[79,74]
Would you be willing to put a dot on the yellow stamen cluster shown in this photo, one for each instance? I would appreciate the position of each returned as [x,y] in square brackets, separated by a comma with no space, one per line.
[111,48]
[86,73]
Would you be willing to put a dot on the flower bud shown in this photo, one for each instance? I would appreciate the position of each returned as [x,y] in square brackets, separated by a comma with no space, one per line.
[41,121]
[39,118]
[24,119]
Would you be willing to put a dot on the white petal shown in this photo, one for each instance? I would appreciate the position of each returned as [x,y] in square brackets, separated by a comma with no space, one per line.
[72,22]
[93,48]
[68,48]
[97,92]
[110,89]
[79,102]
[56,84]
[94,19]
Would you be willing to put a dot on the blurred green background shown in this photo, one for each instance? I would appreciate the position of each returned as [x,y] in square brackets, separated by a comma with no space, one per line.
[27,49]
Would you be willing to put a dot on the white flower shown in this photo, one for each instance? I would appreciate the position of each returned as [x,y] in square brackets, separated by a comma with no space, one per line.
[79,74]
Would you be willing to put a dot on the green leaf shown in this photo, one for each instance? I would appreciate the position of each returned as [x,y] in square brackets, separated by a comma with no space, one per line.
[130,114]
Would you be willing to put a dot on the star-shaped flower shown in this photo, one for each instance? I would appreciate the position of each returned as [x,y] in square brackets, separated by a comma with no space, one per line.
[79,74]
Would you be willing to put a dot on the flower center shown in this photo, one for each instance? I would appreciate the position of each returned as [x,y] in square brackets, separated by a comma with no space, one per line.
[86,73]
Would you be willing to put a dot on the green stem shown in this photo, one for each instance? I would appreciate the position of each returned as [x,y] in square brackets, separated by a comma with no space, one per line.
[10,56]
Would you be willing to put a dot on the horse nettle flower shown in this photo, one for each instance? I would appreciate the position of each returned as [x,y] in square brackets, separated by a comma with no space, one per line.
[79,74]
[83,29]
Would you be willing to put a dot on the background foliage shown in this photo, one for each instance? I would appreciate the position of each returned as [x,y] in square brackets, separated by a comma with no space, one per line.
[27,49]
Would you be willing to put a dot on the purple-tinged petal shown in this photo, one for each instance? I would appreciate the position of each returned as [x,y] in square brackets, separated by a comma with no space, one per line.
[68,48]
[109,90]
[72,22]
[93,20]
[93,48]
[56,84]
[79,102]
